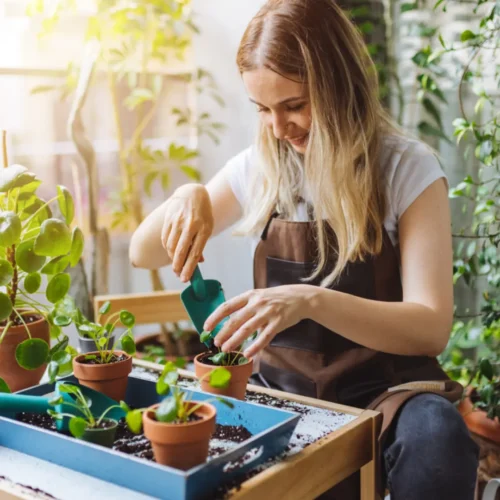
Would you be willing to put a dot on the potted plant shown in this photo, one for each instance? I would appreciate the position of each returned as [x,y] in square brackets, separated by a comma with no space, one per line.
[84,425]
[33,245]
[179,429]
[106,370]
[239,367]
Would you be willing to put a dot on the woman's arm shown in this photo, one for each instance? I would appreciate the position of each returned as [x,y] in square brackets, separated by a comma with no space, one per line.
[218,210]
[420,325]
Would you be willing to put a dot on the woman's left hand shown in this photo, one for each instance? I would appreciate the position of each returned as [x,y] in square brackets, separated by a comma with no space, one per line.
[270,310]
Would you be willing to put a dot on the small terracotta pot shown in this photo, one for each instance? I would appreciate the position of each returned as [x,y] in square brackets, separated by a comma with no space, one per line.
[477,421]
[182,446]
[237,385]
[18,378]
[110,379]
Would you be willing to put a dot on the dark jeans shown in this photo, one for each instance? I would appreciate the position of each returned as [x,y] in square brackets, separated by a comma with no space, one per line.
[429,454]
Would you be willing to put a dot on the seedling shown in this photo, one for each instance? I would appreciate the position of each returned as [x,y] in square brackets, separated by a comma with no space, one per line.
[226,358]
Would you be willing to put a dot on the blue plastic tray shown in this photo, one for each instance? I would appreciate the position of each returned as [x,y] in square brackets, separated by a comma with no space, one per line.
[271,429]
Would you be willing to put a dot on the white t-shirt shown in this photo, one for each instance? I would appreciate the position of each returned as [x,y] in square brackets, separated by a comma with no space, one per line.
[408,164]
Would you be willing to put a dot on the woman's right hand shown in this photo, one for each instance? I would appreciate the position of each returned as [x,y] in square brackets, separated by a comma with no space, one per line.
[187,226]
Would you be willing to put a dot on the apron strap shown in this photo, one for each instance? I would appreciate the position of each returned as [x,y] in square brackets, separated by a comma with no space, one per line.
[263,236]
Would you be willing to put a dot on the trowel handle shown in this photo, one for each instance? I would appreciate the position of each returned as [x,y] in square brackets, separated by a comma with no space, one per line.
[18,402]
[198,284]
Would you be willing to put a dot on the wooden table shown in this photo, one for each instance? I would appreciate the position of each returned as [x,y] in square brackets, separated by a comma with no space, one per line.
[303,476]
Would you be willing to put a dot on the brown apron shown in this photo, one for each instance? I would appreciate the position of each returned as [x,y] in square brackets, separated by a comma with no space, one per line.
[310,360]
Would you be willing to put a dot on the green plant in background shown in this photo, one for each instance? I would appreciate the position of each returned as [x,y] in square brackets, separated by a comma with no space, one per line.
[176,408]
[34,244]
[470,64]
[134,44]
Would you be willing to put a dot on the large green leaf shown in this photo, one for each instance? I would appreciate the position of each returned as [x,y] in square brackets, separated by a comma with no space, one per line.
[26,258]
[77,245]
[167,411]
[77,426]
[35,206]
[134,421]
[10,228]
[54,239]
[220,377]
[32,282]
[127,318]
[3,386]
[128,344]
[6,272]
[66,204]
[5,306]
[32,353]
[15,176]
[56,265]
[58,287]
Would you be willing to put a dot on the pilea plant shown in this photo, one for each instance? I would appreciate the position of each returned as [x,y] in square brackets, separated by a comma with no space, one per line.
[225,358]
[176,408]
[34,244]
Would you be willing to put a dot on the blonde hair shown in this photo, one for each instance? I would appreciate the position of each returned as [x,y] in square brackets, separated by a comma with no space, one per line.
[312,41]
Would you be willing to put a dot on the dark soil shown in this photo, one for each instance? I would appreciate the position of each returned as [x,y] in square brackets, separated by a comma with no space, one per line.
[97,361]
[204,359]
[28,318]
[38,491]
[236,434]
[282,404]
[105,424]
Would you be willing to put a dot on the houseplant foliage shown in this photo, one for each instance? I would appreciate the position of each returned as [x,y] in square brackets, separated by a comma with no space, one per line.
[35,246]
[135,44]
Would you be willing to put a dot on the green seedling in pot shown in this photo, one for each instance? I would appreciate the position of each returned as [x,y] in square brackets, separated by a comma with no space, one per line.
[83,423]
[101,333]
[226,358]
[177,407]
[35,251]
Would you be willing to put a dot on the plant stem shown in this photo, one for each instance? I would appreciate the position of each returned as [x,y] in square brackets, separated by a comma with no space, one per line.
[5,330]
[4,149]
[22,321]
[14,283]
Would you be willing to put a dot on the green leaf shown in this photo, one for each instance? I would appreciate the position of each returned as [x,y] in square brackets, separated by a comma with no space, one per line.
[56,265]
[69,389]
[105,308]
[427,129]
[128,344]
[486,369]
[431,108]
[61,357]
[242,360]
[26,258]
[43,213]
[77,246]
[168,377]
[205,336]
[102,341]
[167,411]
[32,353]
[4,387]
[180,362]
[5,306]
[125,407]
[134,421]
[53,371]
[32,282]
[60,346]
[54,239]
[66,205]
[127,318]
[467,35]
[15,176]
[405,7]
[191,172]
[58,287]
[220,378]
[219,359]
[6,272]
[225,402]
[137,97]
[77,426]
[10,228]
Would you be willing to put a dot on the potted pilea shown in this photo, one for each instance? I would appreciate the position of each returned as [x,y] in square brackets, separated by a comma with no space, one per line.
[82,423]
[179,429]
[106,370]
[238,365]
[33,244]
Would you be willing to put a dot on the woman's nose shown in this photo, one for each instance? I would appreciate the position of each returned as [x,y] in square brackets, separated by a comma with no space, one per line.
[279,126]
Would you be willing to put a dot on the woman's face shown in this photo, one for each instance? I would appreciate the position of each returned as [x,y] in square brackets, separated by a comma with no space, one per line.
[283,105]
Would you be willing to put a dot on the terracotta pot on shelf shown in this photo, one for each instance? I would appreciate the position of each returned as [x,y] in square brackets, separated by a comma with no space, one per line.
[18,378]
[111,378]
[239,377]
[181,445]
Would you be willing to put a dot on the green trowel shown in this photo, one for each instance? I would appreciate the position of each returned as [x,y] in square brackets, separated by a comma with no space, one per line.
[201,299]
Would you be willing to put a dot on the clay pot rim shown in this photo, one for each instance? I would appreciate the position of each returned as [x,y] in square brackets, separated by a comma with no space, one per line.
[231,367]
[152,421]
[114,363]
[14,328]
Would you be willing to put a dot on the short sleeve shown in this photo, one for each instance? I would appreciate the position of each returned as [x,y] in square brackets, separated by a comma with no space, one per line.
[237,172]
[415,171]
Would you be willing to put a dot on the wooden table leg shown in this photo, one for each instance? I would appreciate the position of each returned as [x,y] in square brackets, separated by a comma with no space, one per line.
[369,471]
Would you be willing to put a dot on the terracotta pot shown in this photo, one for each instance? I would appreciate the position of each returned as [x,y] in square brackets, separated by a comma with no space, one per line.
[237,385]
[182,446]
[16,377]
[193,346]
[478,422]
[110,379]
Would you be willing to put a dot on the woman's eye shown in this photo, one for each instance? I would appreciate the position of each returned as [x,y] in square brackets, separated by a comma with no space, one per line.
[296,108]
[262,110]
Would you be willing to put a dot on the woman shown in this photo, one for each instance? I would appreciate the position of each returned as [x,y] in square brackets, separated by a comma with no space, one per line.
[353,260]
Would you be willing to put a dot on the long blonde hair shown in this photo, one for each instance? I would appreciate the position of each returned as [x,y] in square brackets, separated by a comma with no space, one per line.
[312,41]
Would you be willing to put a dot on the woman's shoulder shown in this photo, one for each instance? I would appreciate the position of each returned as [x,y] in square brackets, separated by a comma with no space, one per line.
[237,172]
